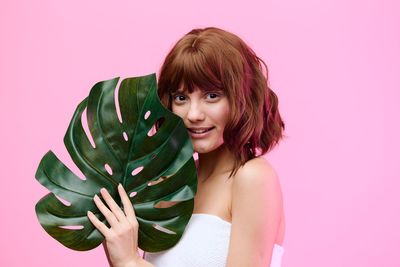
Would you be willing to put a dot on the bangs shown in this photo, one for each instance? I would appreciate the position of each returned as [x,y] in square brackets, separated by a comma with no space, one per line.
[193,70]
[212,59]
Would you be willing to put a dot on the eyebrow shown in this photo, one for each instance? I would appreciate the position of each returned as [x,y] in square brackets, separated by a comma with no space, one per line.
[180,90]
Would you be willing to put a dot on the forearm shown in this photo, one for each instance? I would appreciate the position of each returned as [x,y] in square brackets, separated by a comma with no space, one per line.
[139,263]
[107,255]
[142,263]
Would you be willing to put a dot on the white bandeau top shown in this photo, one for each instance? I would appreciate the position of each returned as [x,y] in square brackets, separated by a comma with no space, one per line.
[204,243]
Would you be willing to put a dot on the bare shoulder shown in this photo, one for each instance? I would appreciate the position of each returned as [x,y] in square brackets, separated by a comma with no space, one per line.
[256,181]
[257,170]
[257,211]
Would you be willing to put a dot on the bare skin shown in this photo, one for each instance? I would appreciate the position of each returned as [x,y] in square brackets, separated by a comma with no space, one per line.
[214,190]
[215,195]
[251,200]
[121,238]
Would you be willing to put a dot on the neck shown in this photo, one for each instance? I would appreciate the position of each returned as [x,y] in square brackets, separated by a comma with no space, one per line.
[215,162]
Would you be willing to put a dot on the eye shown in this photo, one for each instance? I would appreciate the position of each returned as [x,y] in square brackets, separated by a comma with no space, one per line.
[179,98]
[212,96]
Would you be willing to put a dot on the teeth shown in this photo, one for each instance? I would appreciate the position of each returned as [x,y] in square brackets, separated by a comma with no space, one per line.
[199,131]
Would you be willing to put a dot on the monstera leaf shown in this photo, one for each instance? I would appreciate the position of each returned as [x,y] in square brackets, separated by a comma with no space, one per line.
[149,152]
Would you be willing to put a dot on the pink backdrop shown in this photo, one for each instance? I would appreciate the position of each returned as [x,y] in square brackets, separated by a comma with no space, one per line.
[332,64]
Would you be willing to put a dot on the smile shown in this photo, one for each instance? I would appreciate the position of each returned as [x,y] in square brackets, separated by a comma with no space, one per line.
[200,133]
[199,130]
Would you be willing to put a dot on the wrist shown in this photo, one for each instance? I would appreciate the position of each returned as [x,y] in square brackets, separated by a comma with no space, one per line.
[142,263]
[131,262]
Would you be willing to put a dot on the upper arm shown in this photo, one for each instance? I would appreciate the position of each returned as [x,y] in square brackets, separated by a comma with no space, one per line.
[256,214]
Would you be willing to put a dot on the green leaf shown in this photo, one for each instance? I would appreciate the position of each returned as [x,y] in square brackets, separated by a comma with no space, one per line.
[124,153]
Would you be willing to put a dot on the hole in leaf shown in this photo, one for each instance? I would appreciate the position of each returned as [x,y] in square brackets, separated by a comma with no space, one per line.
[71,227]
[132,194]
[137,170]
[125,136]
[86,128]
[162,229]
[147,114]
[108,169]
[152,131]
[116,101]
[159,180]
[157,125]
[65,202]
[166,204]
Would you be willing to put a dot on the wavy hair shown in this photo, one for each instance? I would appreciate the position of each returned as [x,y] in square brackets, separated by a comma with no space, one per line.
[214,58]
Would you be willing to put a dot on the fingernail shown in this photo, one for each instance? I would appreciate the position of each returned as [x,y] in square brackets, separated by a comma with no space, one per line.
[119,185]
[89,213]
[103,190]
[95,196]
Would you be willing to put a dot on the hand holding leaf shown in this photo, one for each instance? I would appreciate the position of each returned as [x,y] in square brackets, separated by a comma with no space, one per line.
[122,236]
[153,164]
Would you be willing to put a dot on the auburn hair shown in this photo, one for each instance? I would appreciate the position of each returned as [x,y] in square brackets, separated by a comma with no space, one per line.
[212,58]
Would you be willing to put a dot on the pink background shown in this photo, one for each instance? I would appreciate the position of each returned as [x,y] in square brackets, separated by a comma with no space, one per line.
[332,63]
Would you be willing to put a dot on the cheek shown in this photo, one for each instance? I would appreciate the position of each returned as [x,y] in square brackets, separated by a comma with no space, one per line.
[223,114]
[178,111]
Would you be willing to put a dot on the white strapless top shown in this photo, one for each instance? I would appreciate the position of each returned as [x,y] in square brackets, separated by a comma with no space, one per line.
[204,243]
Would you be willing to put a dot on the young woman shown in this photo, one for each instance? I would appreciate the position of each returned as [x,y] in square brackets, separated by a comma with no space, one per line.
[217,85]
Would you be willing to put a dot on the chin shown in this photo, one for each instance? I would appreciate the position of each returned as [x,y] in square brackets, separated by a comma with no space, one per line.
[205,149]
[202,151]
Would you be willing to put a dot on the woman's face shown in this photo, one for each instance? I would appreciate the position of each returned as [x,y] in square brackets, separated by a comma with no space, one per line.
[205,115]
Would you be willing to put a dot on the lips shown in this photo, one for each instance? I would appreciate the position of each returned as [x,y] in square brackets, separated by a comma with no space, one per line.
[200,130]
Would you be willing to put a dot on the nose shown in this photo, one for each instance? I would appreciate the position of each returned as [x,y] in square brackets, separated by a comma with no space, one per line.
[195,112]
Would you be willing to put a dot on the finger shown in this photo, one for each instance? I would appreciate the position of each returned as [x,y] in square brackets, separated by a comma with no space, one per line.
[111,219]
[103,229]
[128,208]
[118,213]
